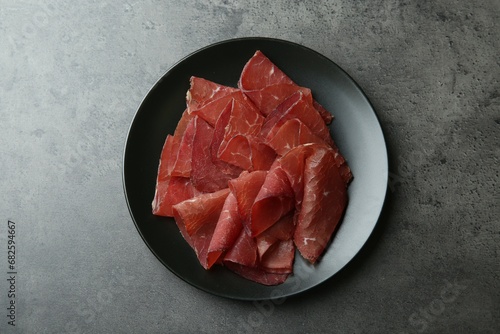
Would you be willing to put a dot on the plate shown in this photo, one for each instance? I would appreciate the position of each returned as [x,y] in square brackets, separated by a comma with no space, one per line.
[355,129]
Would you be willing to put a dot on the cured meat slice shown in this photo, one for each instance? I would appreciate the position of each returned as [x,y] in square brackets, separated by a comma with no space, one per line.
[197,218]
[208,99]
[257,274]
[267,86]
[250,153]
[184,151]
[279,258]
[245,188]
[208,174]
[292,134]
[244,251]
[183,122]
[281,231]
[323,203]
[203,91]
[235,124]
[296,106]
[263,155]
[274,200]
[226,232]
[171,191]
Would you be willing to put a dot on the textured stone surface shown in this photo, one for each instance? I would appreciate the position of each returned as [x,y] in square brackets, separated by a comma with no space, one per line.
[72,76]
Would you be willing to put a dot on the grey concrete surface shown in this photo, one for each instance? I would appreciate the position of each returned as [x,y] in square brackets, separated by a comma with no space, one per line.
[72,75]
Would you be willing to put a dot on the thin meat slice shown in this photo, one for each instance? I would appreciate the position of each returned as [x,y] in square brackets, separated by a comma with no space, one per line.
[296,106]
[323,203]
[197,219]
[243,252]
[235,124]
[245,188]
[279,258]
[207,99]
[226,232]
[257,274]
[182,124]
[267,86]
[292,134]
[274,200]
[208,174]
[184,156]
[281,231]
[250,153]
[203,91]
[171,191]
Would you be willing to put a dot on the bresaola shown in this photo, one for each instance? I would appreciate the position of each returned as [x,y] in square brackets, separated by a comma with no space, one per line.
[251,174]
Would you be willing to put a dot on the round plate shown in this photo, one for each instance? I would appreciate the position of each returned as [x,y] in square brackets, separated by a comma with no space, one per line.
[355,129]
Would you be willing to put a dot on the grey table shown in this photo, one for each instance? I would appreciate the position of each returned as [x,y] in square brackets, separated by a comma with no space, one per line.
[72,76]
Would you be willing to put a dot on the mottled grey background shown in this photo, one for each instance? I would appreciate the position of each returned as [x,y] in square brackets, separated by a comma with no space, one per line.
[72,75]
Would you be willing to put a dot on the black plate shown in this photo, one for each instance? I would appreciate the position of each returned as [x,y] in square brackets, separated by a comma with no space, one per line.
[355,129]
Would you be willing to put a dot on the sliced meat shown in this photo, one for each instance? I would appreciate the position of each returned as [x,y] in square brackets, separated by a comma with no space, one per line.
[279,258]
[296,106]
[197,219]
[171,191]
[323,203]
[267,86]
[207,99]
[183,122]
[274,200]
[203,91]
[245,188]
[281,231]
[235,124]
[227,230]
[292,134]
[182,165]
[243,252]
[250,153]
[208,174]
[257,274]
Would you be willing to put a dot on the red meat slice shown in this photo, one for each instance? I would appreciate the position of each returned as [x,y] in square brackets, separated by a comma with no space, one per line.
[197,218]
[281,231]
[279,258]
[292,134]
[262,154]
[235,124]
[243,259]
[274,200]
[226,232]
[203,91]
[257,274]
[244,251]
[296,106]
[171,191]
[182,165]
[267,86]
[249,153]
[207,99]
[245,188]
[183,122]
[323,203]
[208,174]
